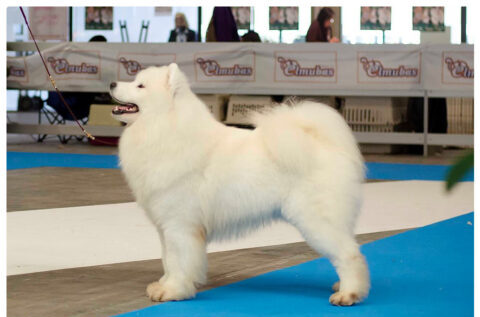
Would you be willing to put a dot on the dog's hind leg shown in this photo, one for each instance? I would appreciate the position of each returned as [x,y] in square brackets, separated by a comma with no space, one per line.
[350,264]
[334,239]
[184,262]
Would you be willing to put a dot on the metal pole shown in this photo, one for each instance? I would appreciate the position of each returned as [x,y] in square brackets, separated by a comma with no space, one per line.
[141,32]
[464,25]
[121,30]
[199,31]
[70,22]
[425,124]
[252,18]
[146,30]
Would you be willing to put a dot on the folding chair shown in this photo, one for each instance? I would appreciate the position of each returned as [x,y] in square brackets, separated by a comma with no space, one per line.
[79,102]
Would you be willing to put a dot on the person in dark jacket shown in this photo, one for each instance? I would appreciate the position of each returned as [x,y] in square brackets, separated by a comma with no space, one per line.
[222,27]
[321,30]
[182,33]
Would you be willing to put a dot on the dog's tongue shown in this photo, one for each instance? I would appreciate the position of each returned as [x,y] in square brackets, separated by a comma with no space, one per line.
[128,108]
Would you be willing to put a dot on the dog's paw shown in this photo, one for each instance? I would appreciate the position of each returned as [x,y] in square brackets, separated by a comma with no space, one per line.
[155,291]
[169,290]
[336,286]
[344,298]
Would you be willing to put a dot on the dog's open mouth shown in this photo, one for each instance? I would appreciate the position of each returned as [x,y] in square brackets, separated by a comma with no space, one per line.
[126,108]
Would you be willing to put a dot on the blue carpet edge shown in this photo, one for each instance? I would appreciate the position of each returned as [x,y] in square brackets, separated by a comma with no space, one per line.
[374,170]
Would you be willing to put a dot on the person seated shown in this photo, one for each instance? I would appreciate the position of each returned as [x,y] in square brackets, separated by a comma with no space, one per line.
[182,33]
[321,28]
[222,26]
[250,36]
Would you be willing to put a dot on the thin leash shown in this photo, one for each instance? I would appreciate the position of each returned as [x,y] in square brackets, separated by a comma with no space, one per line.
[85,132]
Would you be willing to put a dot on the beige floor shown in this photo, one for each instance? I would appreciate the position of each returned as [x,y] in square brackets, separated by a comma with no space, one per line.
[55,187]
[112,289]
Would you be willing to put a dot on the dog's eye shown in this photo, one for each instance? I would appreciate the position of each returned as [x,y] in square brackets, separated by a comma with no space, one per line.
[141,86]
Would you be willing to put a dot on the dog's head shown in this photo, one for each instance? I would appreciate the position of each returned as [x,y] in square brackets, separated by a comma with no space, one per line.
[153,90]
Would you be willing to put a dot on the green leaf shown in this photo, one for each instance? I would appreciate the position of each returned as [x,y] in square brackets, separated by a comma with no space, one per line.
[459,169]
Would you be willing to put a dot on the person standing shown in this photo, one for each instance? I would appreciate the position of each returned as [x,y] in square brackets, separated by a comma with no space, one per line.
[222,26]
[321,28]
[182,33]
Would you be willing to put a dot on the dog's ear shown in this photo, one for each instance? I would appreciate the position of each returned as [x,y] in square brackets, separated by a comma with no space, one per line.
[176,79]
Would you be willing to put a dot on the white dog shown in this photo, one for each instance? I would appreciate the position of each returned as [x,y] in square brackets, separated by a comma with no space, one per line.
[199,180]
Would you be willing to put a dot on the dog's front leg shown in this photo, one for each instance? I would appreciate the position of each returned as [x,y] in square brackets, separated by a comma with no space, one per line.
[184,262]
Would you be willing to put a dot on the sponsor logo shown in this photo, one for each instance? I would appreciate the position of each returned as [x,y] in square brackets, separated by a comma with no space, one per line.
[132,66]
[62,66]
[291,67]
[211,67]
[17,72]
[375,68]
[244,109]
[459,68]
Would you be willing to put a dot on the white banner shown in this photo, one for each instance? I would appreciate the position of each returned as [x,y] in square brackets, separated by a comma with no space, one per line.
[457,67]
[74,65]
[130,63]
[450,67]
[379,67]
[18,71]
[305,67]
[225,66]
[255,68]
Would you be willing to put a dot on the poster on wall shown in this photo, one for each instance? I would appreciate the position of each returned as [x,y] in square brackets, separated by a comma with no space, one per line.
[283,18]
[163,11]
[376,18]
[49,23]
[242,17]
[429,19]
[98,18]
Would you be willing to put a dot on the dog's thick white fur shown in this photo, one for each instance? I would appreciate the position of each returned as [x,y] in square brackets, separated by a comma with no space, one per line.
[199,180]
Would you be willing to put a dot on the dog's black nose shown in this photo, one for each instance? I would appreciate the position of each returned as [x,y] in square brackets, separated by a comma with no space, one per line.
[113,85]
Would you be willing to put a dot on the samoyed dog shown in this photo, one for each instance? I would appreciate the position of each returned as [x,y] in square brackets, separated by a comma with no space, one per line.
[199,180]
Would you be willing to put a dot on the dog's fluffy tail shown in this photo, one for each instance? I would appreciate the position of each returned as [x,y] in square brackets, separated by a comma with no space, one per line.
[307,131]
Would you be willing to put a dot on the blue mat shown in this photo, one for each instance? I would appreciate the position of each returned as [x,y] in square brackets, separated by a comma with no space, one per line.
[395,171]
[16,160]
[385,171]
[422,272]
